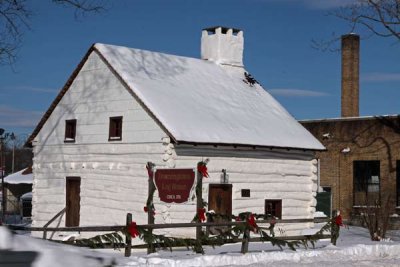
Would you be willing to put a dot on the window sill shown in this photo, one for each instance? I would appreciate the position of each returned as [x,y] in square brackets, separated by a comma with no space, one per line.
[111,139]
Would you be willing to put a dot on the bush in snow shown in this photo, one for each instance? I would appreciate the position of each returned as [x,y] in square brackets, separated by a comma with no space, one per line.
[376,217]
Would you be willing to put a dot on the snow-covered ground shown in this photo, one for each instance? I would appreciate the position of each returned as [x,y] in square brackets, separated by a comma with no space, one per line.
[353,249]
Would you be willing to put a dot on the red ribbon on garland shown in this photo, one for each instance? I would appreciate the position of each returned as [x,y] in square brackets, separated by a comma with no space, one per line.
[202,214]
[147,210]
[132,230]
[251,221]
[202,168]
[339,220]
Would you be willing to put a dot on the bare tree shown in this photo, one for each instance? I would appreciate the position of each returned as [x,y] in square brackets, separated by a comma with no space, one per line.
[378,17]
[15,18]
[367,18]
[16,155]
[375,217]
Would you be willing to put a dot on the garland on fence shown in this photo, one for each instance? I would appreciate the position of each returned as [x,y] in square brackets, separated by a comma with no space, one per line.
[251,225]
[336,223]
[203,171]
[162,241]
[202,168]
[114,239]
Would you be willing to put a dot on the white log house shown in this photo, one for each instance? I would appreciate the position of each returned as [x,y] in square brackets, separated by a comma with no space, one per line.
[123,107]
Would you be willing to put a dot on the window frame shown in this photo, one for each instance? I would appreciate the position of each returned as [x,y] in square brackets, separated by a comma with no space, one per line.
[277,207]
[70,127]
[366,169]
[113,134]
[245,193]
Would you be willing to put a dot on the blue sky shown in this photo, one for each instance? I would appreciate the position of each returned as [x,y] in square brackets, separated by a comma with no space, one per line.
[278,52]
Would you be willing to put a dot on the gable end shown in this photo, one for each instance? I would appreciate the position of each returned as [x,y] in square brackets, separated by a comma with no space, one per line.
[135,96]
[58,98]
[68,85]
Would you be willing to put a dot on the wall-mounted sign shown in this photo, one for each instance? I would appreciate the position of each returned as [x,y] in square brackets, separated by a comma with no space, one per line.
[174,185]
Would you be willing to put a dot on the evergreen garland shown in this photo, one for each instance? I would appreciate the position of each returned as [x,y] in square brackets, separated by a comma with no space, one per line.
[114,239]
[162,241]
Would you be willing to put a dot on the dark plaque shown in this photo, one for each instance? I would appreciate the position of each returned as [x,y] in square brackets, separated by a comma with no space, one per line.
[174,185]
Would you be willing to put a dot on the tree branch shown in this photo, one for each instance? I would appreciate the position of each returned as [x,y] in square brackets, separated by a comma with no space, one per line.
[82,7]
[15,16]
[376,17]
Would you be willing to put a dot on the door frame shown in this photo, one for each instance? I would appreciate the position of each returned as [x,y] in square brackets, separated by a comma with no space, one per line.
[72,219]
[223,186]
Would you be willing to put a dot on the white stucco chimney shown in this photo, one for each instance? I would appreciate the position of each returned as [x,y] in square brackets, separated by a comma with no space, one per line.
[222,45]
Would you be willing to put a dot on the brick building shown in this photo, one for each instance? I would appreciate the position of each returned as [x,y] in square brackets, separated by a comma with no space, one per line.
[362,160]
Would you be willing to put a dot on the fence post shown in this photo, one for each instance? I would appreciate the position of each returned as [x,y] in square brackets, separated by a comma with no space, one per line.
[245,241]
[60,213]
[128,238]
[150,213]
[334,228]
[199,204]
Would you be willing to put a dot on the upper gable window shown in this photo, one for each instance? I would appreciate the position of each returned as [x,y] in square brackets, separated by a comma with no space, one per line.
[115,132]
[70,131]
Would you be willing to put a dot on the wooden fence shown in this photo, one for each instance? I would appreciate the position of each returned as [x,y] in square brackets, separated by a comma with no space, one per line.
[128,239]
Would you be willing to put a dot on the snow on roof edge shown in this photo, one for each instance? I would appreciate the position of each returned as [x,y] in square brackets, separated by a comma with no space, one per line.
[19,178]
[370,117]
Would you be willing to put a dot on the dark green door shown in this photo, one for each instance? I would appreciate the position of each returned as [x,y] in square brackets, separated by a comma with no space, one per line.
[324,200]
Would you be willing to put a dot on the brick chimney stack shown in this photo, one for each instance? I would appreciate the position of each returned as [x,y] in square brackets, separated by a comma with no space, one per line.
[350,75]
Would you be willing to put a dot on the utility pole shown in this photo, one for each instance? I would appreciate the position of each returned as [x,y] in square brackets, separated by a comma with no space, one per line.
[12,137]
[3,138]
[3,193]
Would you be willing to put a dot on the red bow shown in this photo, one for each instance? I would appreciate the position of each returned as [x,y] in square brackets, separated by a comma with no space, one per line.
[338,220]
[251,221]
[202,168]
[202,214]
[132,229]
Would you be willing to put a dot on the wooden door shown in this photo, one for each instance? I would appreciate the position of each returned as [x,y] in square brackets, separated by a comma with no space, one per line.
[72,208]
[220,198]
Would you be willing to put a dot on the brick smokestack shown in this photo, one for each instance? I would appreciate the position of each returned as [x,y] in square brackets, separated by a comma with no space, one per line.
[350,75]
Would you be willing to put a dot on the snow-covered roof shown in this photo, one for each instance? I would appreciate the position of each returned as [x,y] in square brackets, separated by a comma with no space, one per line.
[26,196]
[359,118]
[199,101]
[24,176]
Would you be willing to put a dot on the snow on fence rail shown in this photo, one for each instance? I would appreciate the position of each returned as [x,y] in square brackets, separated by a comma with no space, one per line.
[128,240]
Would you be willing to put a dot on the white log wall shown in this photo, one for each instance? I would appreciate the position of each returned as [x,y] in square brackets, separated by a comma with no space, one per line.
[113,174]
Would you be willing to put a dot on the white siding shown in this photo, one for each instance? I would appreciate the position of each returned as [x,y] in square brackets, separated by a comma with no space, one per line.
[111,184]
